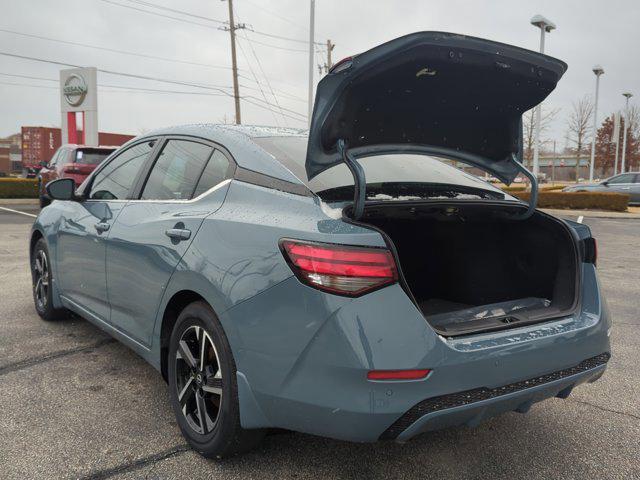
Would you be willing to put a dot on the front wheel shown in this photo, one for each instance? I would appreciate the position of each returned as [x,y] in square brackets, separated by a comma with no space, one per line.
[42,279]
[203,386]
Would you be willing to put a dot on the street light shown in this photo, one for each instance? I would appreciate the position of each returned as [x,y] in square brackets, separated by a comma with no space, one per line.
[598,70]
[628,95]
[545,26]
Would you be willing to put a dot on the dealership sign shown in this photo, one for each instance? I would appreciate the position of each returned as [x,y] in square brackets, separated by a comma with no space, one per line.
[74,89]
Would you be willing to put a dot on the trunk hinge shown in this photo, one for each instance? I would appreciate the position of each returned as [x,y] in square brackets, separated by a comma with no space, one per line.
[360,183]
[533,200]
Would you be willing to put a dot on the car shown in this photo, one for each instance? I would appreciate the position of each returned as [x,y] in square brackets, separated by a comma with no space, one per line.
[70,161]
[345,281]
[627,183]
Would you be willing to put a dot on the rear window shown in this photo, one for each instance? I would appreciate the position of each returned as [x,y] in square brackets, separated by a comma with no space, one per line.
[384,174]
[91,157]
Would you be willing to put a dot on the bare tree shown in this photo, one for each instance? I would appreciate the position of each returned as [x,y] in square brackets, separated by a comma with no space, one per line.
[529,130]
[579,123]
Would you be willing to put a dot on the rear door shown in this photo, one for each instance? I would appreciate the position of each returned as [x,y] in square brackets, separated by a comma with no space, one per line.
[85,227]
[183,185]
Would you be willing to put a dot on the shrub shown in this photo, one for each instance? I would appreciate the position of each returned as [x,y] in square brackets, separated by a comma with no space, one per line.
[616,202]
[18,188]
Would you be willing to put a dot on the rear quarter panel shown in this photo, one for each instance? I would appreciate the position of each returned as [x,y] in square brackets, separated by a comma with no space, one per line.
[235,254]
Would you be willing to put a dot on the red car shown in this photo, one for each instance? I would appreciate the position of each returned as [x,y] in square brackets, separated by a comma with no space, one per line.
[71,161]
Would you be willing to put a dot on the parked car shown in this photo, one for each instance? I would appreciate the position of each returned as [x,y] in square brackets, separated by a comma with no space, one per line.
[344,282]
[628,183]
[71,161]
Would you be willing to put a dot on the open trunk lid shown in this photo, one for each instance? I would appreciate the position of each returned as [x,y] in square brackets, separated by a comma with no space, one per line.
[431,93]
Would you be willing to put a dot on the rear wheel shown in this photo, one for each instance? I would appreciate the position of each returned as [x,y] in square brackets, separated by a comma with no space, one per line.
[203,386]
[42,279]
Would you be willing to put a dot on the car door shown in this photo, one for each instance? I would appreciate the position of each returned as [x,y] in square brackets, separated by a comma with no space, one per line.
[622,183]
[84,228]
[153,232]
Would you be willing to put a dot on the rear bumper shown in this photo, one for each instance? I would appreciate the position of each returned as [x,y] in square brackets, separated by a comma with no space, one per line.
[474,406]
[303,357]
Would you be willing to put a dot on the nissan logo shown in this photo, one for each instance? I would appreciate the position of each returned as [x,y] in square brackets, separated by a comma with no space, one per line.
[74,90]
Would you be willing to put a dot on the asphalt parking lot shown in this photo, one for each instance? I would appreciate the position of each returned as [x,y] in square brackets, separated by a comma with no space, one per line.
[75,404]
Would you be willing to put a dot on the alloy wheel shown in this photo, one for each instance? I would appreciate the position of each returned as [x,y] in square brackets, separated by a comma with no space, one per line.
[41,276]
[198,379]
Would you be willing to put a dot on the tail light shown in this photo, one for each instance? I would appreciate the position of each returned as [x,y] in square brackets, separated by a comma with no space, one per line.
[340,269]
[590,250]
[70,168]
[397,374]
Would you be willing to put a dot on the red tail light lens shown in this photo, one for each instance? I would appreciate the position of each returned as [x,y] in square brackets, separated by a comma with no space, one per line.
[340,269]
[397,374]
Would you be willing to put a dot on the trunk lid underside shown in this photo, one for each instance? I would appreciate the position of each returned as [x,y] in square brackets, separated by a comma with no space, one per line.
[433,93]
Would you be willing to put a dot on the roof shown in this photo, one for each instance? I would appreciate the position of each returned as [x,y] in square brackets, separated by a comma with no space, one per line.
[237,139]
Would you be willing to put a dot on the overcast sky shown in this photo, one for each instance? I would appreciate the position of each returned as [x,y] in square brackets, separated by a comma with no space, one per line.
[589,32]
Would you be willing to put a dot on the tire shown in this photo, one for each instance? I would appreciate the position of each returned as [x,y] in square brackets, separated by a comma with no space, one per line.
[44,201]
[42,280]
[208,386]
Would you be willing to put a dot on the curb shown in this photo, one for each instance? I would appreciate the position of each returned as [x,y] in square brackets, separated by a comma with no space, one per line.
[19,201]
[591,214]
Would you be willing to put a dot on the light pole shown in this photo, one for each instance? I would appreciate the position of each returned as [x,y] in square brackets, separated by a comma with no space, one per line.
[312,5]
[598,70]
[545,26]
[628,95]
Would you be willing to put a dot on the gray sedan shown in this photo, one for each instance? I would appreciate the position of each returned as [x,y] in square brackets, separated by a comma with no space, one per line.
[628,183]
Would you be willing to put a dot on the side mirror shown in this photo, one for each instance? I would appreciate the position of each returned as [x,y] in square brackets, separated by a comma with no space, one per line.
[62,189]
[605,183]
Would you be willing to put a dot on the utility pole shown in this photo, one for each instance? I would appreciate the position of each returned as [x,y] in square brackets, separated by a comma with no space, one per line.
[627,95]
[330,47]
[311,46]
[329,63]
[234,64]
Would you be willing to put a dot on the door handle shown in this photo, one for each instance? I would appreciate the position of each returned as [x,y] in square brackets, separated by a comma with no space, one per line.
[102,227]
[178,234]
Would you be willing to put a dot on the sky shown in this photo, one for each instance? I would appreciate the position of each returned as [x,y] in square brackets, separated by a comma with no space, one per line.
[274,71]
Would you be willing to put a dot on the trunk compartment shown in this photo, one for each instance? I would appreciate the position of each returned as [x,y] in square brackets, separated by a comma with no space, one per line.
[473,267]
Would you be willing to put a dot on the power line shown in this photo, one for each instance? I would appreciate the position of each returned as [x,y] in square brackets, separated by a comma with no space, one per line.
[263,73]
[182,12]
[106,49]
[173,10]
[156,79]
[126,87]
[256,80]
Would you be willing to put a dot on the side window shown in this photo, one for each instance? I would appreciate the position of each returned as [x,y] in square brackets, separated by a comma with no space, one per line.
[624,178]
[215,172]
[115,180]
[176,171]
[54,159]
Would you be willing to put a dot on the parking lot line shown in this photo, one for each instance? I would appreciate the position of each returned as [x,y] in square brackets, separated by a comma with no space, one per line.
[18,211]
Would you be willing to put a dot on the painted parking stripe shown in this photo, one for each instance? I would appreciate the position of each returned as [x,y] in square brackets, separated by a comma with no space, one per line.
[18,211]
[580,218]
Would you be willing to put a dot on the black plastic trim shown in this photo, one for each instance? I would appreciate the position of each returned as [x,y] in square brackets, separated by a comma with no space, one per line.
[262,180]
[467,397]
